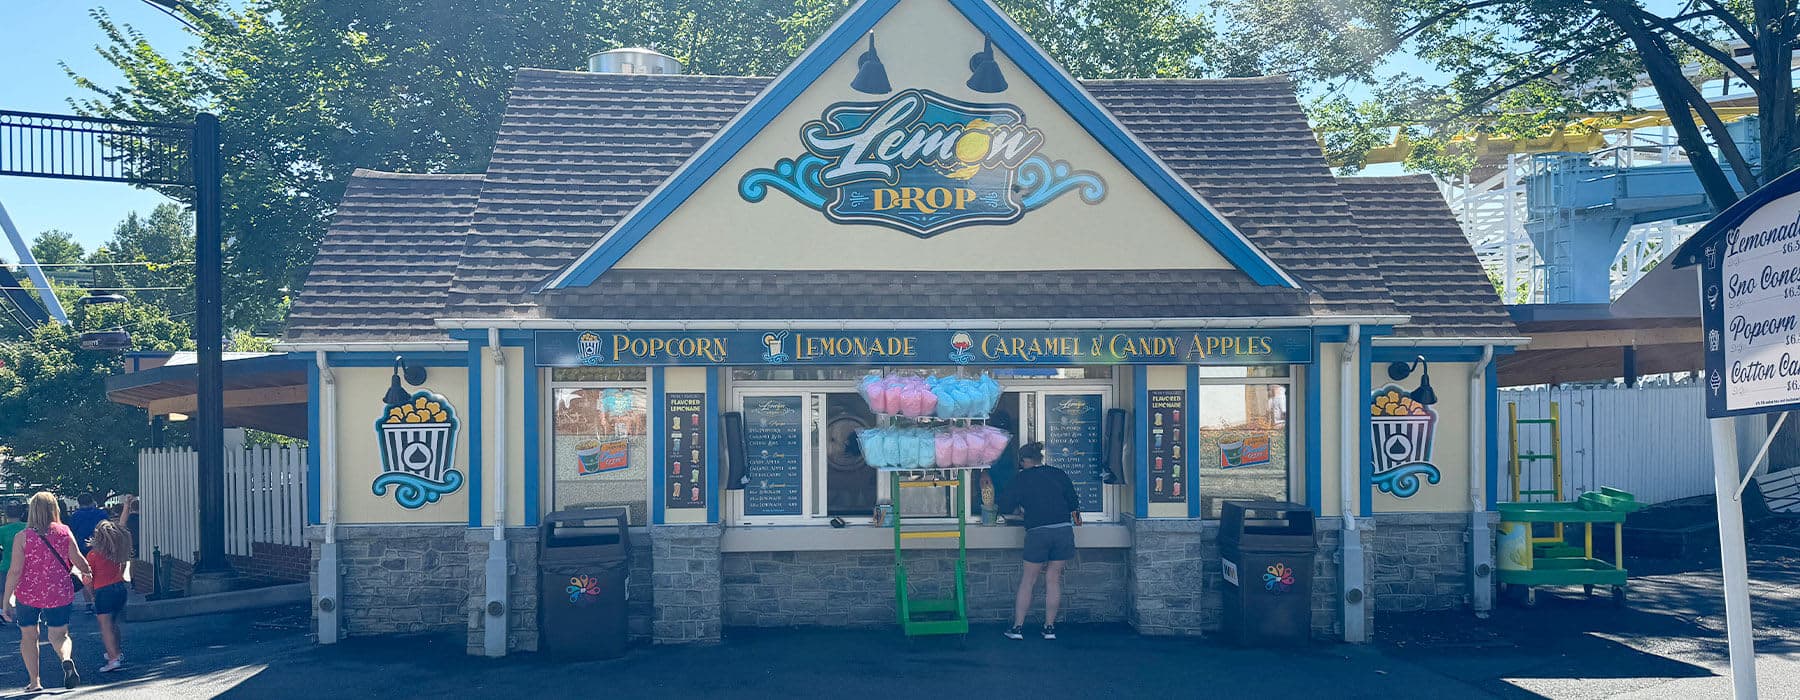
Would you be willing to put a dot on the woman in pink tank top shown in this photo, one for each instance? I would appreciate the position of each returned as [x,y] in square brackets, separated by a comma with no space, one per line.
[38,588]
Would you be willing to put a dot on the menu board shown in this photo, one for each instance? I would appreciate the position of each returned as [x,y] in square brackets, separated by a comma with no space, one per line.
[1168,447]
[1072,443]
[684,450]
[774,436]
[1752,304]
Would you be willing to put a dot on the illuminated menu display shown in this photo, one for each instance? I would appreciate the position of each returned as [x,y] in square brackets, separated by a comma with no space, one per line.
[684,453]
[1072,443]
[1168,446]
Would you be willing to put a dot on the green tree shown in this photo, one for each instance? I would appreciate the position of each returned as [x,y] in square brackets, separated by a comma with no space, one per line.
[309,91]
[1522,67]
[55,247]
[55,420]
[1093,39]
[153,258]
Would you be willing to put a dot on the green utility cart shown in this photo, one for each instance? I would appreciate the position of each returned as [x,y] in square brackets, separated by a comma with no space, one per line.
[929,616]
[1528,561]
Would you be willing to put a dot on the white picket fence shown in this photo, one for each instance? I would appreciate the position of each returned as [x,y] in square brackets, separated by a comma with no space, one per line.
[1650,441]
[265,499]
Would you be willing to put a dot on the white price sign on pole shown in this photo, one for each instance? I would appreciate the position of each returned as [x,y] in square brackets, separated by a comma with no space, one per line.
[1749,266]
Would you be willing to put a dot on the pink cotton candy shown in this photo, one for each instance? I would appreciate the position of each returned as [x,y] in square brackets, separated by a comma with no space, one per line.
[945,456]
[997,441]
[909,402]
[894,397]
[927,402]
[959,450]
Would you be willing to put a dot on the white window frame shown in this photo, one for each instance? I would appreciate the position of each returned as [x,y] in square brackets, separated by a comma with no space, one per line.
[547,445]
[1294,464]
[814,447]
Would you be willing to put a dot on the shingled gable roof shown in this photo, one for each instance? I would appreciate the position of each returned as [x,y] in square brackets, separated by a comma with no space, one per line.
[833,47]
[577,151]
[1430,269]
[383,270]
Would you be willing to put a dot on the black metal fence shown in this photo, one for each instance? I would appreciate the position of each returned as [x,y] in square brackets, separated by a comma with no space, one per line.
[90,148]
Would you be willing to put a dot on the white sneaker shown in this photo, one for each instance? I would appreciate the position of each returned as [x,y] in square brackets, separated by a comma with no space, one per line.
[113,664]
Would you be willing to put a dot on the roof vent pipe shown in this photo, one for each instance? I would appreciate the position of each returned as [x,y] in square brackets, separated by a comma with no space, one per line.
[634,62]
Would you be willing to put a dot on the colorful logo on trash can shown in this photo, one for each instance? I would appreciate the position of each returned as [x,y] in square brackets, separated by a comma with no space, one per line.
[1278,578]
[418,450]
[584,590]
[1402,429]
[922,163]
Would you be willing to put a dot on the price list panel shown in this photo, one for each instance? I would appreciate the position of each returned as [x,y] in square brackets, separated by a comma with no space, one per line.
[1168,446]
[774,444]
[684,450]
[1752,302]
[1072,427]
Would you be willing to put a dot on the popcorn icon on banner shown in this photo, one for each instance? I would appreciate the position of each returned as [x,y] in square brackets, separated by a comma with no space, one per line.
[1403,430]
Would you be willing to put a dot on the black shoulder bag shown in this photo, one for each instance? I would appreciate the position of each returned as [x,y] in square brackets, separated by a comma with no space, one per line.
[73,577]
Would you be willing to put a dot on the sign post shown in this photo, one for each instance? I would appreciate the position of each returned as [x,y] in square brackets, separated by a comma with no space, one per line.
[1749,266]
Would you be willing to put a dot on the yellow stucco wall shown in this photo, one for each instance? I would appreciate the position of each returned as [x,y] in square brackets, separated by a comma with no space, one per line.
[359,404]
[516,367]
[1450,442]
[924,44]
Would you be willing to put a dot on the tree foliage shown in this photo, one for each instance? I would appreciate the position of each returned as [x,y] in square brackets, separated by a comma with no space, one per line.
[54,247]
[309,91]
[57,424]
[157,253]
[1523,67]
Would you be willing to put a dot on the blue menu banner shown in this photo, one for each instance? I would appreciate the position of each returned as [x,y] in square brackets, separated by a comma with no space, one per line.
[1072,427]
[774,441]
[927,347]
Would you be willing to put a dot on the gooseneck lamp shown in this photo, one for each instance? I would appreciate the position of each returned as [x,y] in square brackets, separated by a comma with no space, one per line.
[871,76]
[1401,370]
[415,375]
[985,71]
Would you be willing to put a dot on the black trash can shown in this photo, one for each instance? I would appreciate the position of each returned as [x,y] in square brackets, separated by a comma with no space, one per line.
[1266,550]
[584,563]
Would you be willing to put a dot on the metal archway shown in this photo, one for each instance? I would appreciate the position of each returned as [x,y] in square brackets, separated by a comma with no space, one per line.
[72,147]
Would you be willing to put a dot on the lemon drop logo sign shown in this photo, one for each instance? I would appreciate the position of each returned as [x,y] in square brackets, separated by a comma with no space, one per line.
[922,163]
[418,450]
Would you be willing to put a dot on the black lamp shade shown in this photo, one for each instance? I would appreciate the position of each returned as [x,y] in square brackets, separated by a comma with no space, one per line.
[396,394]
[985,71]
[871,76]
[1424,393]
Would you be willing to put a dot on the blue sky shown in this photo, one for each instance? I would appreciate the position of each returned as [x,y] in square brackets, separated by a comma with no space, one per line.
[35,36]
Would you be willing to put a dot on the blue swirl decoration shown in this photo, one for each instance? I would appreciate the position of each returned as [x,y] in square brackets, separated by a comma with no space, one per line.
[1041,180]
[799,178]
[413,492]
[1403,481]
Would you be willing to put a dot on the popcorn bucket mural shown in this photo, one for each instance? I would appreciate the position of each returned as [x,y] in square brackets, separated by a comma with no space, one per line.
[418,450]
[1402,429]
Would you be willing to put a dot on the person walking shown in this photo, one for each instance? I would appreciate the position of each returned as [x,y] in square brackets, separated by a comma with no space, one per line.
[39,587]
[14,524]
[1052,510]
[83,520]
[109,554]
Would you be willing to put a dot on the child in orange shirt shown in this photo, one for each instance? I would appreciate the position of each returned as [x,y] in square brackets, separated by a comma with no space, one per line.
[109,554]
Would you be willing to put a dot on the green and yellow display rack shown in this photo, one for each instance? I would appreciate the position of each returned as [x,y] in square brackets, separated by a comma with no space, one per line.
[1527,562]
[932,616]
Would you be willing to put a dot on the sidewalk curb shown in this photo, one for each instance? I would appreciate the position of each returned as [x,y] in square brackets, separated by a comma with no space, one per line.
[250,599]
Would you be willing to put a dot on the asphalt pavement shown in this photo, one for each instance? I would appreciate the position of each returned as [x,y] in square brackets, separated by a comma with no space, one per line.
[1668,643]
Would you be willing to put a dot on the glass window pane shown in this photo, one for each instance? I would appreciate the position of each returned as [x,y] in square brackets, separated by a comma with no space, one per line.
[601,452]
[848,374]
[850,483]
[598,374]
[1244,372]
[1243,444]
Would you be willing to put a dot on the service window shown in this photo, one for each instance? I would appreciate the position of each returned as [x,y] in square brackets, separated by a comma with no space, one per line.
[600,445]
[1244,435]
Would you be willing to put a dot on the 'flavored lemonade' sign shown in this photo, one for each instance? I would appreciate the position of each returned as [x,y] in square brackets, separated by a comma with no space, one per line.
[922,163]
[1750,290]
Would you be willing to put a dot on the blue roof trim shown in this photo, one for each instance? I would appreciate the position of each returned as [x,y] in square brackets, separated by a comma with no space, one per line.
[724,146]
[800,77]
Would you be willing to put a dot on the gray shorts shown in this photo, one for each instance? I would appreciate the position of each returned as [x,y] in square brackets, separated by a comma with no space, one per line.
[1051,543]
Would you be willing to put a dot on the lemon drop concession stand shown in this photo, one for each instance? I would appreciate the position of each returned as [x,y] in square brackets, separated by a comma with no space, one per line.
[670,294]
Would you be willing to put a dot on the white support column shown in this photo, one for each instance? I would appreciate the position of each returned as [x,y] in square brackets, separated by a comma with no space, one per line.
[1732,558]
[328,604]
